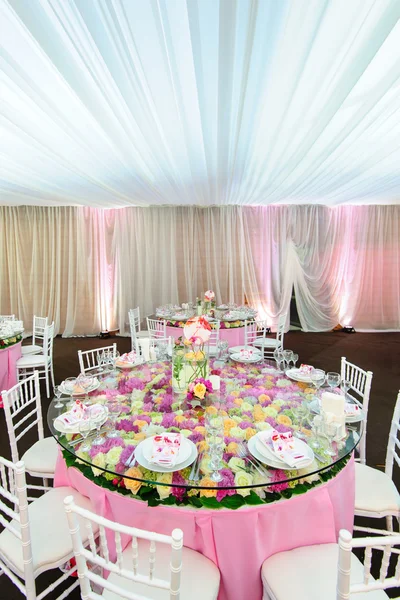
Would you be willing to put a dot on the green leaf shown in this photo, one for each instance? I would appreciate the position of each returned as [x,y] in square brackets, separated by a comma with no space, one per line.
[299,489]
[153,501]
[287,493]
[195,501]
[210,503]
[233,502]
[253,499]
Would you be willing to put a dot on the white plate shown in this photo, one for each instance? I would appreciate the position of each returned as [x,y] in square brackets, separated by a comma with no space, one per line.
[275,462]
[66,393]
[59,425]
[254,359]
[300,446]
[315,408]
[126,365]
[236,349]
[187,455]
[297,376]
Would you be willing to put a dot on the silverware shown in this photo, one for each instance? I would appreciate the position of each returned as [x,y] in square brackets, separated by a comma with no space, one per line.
[194,473]
[130,462]
[244,452]
[89,437]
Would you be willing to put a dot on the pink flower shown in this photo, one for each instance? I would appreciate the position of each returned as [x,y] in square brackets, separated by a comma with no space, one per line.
[278,475]
[227,479]
[178,492]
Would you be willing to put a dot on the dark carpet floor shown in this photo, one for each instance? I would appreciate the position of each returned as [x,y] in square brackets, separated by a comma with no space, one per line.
[377,352]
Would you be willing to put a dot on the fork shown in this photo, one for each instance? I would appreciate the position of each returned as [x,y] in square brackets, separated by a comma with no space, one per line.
[194,473]
[243,452]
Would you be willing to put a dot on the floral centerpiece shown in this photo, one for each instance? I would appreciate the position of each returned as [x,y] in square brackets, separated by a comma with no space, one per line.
[190,359]
[209,300]
[199,389]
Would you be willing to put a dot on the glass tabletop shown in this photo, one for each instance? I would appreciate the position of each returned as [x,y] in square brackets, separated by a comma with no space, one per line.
[131,406]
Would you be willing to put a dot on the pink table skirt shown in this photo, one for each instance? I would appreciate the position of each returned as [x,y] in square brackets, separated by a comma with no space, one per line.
[237,541]
[234,336]
[8,369]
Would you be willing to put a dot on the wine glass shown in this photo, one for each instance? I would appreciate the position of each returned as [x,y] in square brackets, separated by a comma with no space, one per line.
[329,432]
[57,393]
[279,359]
[303,413]
[114,410]
[101,361]
[116,358]
[333,379]
[98,420]
[216,445]
[345,386]
[85,427]
[294,359]
[287,355]
[317,377]
[86,382]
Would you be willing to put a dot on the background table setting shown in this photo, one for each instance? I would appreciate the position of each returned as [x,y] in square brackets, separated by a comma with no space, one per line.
[10,351]
[248,438]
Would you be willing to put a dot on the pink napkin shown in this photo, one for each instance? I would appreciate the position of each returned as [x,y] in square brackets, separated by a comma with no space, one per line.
[80,412]
[306,369]
[351,409]
[166,449]
[283,445]
[128,358]
[246,353]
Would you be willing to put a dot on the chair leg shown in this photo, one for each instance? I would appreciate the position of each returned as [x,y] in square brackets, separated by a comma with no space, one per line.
[47,383]
[389,523]
[45,482]
[52,375]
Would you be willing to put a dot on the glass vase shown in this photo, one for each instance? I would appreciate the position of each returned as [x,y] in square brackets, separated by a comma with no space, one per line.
[179,384]
[196,363]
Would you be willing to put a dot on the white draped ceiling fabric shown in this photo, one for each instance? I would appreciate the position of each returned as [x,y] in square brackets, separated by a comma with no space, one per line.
[195,119]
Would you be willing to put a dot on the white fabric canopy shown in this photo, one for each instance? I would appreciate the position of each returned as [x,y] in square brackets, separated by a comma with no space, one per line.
[199,102]
[85,268]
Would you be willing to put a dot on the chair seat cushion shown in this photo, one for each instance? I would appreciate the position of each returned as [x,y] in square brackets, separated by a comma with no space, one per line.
[31,360]
[31,349]
[199,580]
[310,573]
[41,457]
[265,343]
[375,491]
[142,334]
[50,537]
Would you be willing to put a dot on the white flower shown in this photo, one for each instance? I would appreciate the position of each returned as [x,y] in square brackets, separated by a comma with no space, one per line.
[205,466]
[112,456]
[246,407]
[186,432]
[153,429]
[157,419]
[236,464]
[164,490]
[236,418]
[262,426]
[302,472]
[243,478]
[260,479]
[100,461]
[237,433]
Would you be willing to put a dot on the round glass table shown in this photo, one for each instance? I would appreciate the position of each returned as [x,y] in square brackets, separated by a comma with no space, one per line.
[253,398]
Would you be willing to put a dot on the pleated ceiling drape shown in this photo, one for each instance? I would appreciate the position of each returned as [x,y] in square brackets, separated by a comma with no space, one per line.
[86,267]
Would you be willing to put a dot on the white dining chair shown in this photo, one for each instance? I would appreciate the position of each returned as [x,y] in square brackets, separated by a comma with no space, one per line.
[93,360]
[42,363]
[359,391]
[35,537]
[268,344]
[157,328]
[39,326]
[150,563]
[331,571]
[23,411]
[214,337]
[135,322]
[376,493]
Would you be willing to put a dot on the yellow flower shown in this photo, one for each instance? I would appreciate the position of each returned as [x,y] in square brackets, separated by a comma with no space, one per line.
[209,483]
[200,429]
[284,420]
[140,423]
[189,355]
[269,377]
[164,490]
[100,461]
[247,386]
[211,410]
[235,393]
[199,390]
[187,342]
[263,397]
[250,432]
[200,355]
[277,408]
[139,437]
[258,413]
[232,448]
[179,418]
[202,446]
[309,391]
[228,424]
[238,401]
[132,484]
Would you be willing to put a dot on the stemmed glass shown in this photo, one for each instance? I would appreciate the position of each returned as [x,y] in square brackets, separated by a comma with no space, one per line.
[114,410]
[287,355]
[303,413]
[98,420]
[317,377]
[333,380]
[329,433]
[345,386]
[294,359]
[101,361]
[116,358]
[279,359]
[86,383]
[57,393]
[85,427]
[214,422]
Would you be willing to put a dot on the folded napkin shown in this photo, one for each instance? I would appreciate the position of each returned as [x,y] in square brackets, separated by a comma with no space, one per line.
[351,409]
[127,358]
[306,369]
[166,449]
[283,445]
[247,353]
[79,412]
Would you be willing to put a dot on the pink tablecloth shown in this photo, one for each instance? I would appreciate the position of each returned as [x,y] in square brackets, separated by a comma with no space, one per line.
[234,336]
[8,369]
[236,541]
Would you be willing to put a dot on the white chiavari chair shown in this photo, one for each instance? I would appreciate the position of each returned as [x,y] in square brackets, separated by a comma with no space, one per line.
[35,537]
[341,575]
[23,412]
[376,493]
[359,391]
[214,338]
[157,328]
[97,358]
[267,344]
[39,326]
[135,322]
[150,563]
[42,363]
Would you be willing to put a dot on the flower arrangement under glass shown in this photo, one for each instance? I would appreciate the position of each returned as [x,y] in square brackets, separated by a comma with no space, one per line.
[199,389]
[190,358]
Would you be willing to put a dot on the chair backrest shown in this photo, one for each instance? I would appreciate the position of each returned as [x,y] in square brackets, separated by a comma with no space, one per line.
[250,332]
[157,328]
[39,325]
[386,543]
[102,559]
[214,336]
[393,447]
[280,332]
[23,410]
[7,318]
[48,341]
[134,318]
[89,360]
[360,389]
[133,330]
[14,507]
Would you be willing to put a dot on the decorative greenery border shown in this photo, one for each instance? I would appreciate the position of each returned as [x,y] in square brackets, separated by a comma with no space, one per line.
[149,494]
[10,341]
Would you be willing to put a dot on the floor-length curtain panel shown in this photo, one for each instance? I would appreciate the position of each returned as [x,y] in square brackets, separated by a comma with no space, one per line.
[48,267]
[371,259]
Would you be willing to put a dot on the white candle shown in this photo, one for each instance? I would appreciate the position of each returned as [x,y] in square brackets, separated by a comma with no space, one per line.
[215,382]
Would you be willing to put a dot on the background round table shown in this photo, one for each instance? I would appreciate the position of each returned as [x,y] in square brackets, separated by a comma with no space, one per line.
[8,369]
[234,336]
